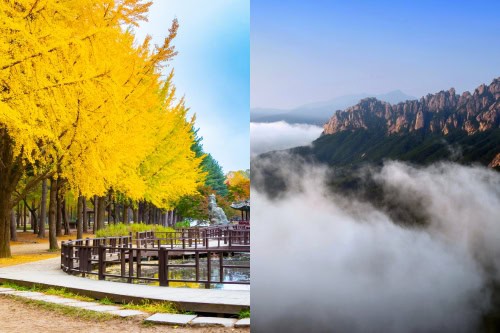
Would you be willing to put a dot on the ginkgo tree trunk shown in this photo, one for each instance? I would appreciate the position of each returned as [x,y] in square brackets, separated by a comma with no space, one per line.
[52,215]
[10,173]
[43,210]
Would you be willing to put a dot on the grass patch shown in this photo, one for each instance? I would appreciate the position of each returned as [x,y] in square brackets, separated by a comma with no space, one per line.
[183,224]
[245,313]
[144,306]
[147,324]
[59,308]
[106,301]
[152,307]
[61,292]
[17,287]
[120,229]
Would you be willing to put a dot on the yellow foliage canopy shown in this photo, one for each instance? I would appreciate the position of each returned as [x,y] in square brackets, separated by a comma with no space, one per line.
[82,102]
[238,185]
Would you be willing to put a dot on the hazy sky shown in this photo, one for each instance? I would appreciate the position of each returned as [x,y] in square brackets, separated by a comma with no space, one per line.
[212,70]
[308,51]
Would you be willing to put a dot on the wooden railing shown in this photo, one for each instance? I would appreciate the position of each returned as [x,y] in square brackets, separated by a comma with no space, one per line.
[95,256]
[197,238]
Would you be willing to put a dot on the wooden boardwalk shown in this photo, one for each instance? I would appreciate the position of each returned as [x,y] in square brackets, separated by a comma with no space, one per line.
[48,273]
[93,256]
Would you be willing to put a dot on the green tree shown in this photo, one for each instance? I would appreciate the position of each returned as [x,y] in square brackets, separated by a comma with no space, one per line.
[215,176]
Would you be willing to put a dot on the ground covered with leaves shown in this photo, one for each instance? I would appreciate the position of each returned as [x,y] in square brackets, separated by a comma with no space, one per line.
[29,247]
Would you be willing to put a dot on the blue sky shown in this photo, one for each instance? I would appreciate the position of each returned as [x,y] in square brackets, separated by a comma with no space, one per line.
[212,70]
[309,51]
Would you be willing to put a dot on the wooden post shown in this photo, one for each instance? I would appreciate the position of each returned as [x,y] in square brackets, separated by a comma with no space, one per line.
[139,257]
[130,263]
[197,265]
[221,267]
[64,262]
[209,271]
[69,254]
[101,256]
[85,260]
[162,266]
[122,261]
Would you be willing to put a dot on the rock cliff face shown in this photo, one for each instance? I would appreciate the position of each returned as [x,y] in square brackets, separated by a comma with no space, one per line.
[441,112]
[495,162]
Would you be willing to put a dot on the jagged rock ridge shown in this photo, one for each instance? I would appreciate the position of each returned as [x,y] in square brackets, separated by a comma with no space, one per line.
[441,112]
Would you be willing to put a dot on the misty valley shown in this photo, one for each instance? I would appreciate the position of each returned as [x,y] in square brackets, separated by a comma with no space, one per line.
[402,241]
[391,218]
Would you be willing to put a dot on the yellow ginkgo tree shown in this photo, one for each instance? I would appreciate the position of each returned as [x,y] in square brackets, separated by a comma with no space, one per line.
[82,104]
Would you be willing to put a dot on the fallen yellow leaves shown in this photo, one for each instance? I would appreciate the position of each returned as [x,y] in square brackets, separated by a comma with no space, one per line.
[30,238]
[25,258]
[29,248]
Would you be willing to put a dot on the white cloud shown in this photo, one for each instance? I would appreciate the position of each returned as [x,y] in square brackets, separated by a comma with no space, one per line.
[323,262]
[280,135]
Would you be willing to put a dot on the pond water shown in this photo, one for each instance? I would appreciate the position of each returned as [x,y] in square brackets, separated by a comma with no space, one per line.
[189,273]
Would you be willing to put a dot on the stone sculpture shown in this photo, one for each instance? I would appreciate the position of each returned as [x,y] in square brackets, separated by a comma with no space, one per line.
[215,213]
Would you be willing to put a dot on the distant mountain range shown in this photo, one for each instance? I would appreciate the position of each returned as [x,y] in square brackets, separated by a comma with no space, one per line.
[318,113]
[463,128]
[440,126]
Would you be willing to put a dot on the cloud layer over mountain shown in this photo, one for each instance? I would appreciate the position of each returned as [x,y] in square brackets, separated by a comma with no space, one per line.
[323,262]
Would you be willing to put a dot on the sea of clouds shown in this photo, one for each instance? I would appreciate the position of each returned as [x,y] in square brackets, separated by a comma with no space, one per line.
[265,137]
[322,262]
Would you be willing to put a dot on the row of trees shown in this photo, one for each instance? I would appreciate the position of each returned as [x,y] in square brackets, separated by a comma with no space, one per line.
[235,186]
[69,210]
[85,109]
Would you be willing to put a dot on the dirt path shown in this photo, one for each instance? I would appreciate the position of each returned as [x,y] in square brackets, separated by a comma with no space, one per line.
[29,248]
[29,243]
[19,317]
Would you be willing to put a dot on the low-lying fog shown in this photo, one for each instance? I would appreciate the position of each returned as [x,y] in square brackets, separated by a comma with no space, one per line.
[322,262]
[279,135]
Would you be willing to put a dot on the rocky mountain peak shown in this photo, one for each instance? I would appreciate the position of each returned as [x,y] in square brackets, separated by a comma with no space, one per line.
[441,112]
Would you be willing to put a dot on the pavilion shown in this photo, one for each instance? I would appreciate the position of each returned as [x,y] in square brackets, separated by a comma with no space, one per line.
[244,207]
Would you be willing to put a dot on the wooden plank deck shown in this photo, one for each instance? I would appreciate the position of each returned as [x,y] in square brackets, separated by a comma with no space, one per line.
[48,273]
